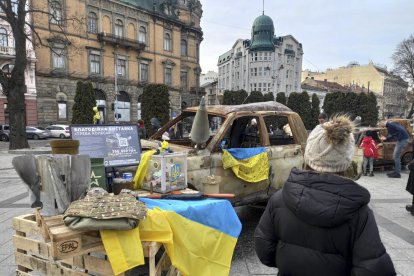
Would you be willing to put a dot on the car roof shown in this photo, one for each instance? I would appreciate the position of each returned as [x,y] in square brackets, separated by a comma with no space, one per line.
[226,109]
[60,125]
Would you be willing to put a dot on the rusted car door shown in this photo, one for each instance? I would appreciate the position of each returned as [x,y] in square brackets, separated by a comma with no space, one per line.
[232,135]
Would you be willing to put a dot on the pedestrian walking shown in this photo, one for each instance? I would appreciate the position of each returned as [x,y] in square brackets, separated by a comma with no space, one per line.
[398,133]
[410,187]
[155,123]
[370,153]
[142,132]
[319,223]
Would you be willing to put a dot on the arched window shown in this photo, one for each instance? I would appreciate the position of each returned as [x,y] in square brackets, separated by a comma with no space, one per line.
[119,28]
[167,42]
[3,37]
[55,13]
[183,47]
[142,35]
[8,68]
[92,23]
[123,107]
[139,107]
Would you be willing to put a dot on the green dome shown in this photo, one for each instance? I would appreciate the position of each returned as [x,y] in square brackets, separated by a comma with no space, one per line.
[262,34]
[263,23]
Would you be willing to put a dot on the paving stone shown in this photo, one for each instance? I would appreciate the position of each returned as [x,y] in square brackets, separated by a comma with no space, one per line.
[404,268]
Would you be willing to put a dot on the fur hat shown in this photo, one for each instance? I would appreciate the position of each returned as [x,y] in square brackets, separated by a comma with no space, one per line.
[330,146]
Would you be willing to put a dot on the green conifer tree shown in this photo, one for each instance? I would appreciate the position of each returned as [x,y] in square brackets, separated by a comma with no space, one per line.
[315,110]
[254,97]
[268,97]
[305,110]
[281,98]
[227,97]
[240,96]
[155,103]
[82,109]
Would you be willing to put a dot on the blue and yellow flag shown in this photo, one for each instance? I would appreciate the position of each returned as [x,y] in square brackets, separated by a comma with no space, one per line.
[199,235]
[248,164]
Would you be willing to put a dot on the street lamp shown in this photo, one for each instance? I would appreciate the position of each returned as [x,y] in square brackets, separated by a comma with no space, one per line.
[274,77]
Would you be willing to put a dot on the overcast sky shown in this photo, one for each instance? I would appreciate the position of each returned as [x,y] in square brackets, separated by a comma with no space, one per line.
[332,32]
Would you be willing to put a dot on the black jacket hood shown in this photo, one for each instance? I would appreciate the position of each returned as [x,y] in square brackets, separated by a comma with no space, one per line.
[323,200]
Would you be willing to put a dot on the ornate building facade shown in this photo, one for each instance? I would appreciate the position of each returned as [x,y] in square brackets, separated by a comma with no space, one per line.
[263,63]
[7,56]
[118,45]
[391,89]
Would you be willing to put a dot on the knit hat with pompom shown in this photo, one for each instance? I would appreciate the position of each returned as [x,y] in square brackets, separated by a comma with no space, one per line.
[330,146]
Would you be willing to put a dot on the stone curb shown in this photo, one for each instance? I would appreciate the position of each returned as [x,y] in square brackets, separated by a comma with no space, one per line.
[39,150]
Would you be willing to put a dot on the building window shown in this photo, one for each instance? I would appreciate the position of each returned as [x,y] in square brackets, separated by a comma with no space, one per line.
[92,23]
[183,47]
[142,35]
[197,51]
[119,28]
[167,42]
[62,111]
[95,63]
[55,10]
[59,56]
[143,72]
[184,79]
[8,68]
[121,67]
[3,37]
[168,75]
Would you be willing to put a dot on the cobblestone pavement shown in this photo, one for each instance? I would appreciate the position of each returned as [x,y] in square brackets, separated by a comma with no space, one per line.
[388,200]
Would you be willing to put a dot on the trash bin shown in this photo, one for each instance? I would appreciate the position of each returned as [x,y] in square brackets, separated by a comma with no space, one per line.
[98,175]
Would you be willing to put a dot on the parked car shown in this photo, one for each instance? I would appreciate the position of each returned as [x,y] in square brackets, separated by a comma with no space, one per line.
[285,148]
[385,148]
[36,133]
[60,131]
[4,133]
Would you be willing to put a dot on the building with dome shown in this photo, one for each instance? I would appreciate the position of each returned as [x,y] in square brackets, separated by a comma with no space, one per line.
[265,62]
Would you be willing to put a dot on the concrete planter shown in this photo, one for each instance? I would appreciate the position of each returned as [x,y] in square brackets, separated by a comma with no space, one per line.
[65,146]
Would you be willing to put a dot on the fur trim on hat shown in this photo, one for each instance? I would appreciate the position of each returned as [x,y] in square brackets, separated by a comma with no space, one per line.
[330,147]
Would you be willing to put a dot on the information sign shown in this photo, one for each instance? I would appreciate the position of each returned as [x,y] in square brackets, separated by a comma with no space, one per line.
[118,144]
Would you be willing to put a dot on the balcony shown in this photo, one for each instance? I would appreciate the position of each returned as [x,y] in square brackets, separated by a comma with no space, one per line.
[121,41]
[7,51]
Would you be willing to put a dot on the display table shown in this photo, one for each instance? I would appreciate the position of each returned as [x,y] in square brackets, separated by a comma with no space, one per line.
[199,237]
[46,245]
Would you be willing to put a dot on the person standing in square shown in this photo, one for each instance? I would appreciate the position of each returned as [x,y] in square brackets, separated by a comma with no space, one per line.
[370,153]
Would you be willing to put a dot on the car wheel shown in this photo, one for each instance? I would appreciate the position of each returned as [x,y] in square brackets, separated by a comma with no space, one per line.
[35,137]
[62,136]
[4,138]
[407,158]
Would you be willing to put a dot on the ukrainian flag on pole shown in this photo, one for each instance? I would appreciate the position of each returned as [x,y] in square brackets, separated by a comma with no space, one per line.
[248,164]
[199,235]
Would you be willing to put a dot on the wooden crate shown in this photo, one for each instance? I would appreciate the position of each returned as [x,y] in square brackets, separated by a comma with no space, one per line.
[47,246]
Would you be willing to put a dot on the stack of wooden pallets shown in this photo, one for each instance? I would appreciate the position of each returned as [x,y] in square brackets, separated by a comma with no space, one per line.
[46,245]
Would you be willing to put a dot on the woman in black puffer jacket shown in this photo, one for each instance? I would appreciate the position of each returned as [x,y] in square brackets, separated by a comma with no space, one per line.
[319,223]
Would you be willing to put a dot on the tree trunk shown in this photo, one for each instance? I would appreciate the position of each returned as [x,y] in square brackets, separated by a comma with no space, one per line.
[17,85]
[410,114]
[17,117]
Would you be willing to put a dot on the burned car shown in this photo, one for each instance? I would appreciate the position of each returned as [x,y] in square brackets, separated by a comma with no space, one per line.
[278,129]
[227,127]
[385,148]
